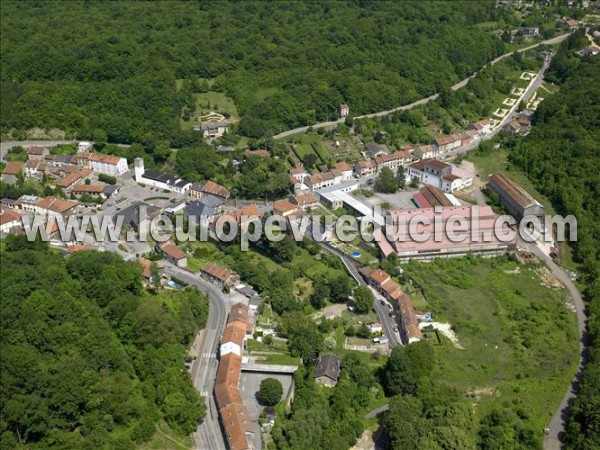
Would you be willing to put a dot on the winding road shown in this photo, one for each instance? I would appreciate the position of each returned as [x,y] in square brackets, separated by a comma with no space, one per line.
[423,101]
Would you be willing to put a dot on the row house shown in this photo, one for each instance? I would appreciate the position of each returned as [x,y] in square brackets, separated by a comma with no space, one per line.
[219,275]
[35,169]
[447,143]
[37,153]
[393,161]
[100,163]
[365,168]
[209,188]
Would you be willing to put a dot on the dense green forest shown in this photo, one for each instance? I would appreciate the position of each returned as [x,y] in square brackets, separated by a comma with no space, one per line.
[90,360]
[108,69]
[562,158]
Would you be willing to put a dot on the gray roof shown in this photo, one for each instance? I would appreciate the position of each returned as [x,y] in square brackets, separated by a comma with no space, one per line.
[375,148]
[201,208]
[157,175]
[328,366]
[131,214]
[246,290]
[255,300]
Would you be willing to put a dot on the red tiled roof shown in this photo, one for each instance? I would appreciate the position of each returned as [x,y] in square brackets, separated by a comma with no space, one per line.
[217,271]
[38,151]
[234,332]
[54,204]
[147,266]
[305,199]
[343,166]
[106,159]
[212,188]
[13,168]
[95,188]
[283,207]
[79,247]
[260,153]
[172,250]
[8,215]
[379,276]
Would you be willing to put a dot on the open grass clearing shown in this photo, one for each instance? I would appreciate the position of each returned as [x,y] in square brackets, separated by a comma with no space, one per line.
[519,338]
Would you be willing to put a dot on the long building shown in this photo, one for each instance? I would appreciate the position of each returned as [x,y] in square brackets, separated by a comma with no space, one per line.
[514,198]
[477,233]
[159,179]
[236,422]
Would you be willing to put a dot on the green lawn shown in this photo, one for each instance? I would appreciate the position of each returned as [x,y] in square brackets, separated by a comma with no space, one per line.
[208,102]
[519,338]
[166,439]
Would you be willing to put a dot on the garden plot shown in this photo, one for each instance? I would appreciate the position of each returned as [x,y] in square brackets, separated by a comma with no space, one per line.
[509,101]
[528,76]
[501,112]
[518,91]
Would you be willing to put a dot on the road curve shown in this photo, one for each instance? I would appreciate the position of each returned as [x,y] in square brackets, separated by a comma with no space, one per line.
[208,435]
[557,423]
[423,101]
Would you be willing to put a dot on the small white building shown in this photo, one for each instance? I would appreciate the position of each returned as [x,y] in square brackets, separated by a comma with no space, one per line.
[84,146]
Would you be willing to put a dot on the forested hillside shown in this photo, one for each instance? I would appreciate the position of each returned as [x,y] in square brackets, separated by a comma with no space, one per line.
[562,158]
[109,68]
[88,359]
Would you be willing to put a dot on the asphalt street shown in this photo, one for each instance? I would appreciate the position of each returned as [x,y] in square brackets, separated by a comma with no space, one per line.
[208,435]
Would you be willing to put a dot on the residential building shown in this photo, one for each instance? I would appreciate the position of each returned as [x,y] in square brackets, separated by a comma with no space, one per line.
[101,163]
[101,190]
[35,169]
[284,208]
[392,161]
[373,149]
[219,275]
[10,221]
[72,179]
[173,254]
[159,179]
[343,110]
[482,127]
[298,173]
[365,168]
[530,31]
[410,330]
[425,152]
[54,207]
[206,210]
[516,200]
[37,153]
[445,176]
[212,130]
[322,180]
[305,200]
[209,188]
[12,171]
[233,338]
[447,143]
[137,216]
[588,51]
[327,370]
[345,169]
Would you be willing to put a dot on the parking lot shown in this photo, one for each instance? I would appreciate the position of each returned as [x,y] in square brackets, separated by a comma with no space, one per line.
[250,385]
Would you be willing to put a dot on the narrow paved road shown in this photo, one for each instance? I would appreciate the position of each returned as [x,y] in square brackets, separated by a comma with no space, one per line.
[422,101]
[208,435]
[557,423]
[386,321]
[6,146]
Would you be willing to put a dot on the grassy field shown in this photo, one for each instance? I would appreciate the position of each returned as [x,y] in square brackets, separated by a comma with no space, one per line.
[519,337]
[208,102]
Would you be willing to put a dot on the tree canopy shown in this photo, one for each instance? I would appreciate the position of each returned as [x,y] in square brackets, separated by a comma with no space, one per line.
[88,358]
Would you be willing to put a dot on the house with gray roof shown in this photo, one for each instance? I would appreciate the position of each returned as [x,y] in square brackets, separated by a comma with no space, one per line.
[328,370]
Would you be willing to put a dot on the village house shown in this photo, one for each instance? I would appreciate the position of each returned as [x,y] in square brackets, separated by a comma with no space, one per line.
[409,322]
[35,169]
[392,161]
[72,179]
[284,208]
[100,163]
[445,176]
[208,188]
[373,149]
[54,207]
[10,221]
[212,130]
[101,190]
[146,270]
[482,127]
[12,171]
[321,180]
[425,152]
[37,153]
[345,169]
[365,168]
[172,253]
[327,370]
[305,200]
[447,143]
[219,275]
[343,110]
[206,210]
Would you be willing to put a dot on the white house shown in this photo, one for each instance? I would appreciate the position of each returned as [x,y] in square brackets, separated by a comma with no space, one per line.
[445,176]
[9,219]
[84,146]
[213,130]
